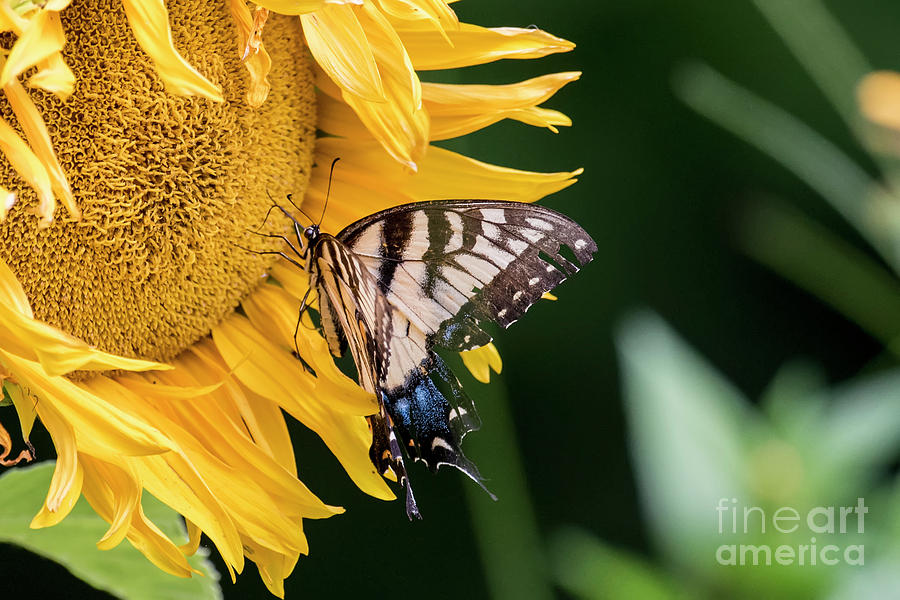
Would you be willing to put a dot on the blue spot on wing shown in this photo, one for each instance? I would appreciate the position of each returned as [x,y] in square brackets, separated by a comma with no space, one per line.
[421,414]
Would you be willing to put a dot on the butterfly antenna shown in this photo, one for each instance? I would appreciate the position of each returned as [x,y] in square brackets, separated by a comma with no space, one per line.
[290,198]
[328,191]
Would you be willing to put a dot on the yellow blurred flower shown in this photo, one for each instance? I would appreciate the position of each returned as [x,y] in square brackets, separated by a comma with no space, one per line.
[155,350]
[879,98]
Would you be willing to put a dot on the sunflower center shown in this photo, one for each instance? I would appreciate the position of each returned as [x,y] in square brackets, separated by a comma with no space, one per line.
[168,186]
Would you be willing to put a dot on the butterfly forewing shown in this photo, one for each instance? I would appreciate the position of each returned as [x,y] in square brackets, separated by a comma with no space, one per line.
[449,264]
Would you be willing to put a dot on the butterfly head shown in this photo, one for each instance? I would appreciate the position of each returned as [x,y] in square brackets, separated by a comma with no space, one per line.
[311,233]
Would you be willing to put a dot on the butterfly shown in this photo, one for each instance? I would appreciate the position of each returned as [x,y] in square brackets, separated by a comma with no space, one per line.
[400,282]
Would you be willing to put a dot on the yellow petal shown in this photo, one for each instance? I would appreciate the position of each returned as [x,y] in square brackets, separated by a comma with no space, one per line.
[879,98]
[436,13]
[273,568]
[26,407]
[473,45]
[262,417]
[481,361]
[54,76]
[273,312]
[252,51]
[32,124]
[158,548]
[366,181]
[42,38]
[445,128]
[106,423]
[65,486]
[339,44]
[268,373]
[30,168]
[149,21]
[194,537]
[57,351]
[401,123]
[456,110]
[300,7]
[114,494]
[461,100]
[208,424]
[7,201]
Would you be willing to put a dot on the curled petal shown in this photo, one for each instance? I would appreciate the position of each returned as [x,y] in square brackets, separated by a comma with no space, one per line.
[54,76]
[6,448]
[149,21]
[115,494]
[36,131]
[339,44]
[41,39]
[30,168]
[473,45]
[456,110]
[252,51]
[65,486]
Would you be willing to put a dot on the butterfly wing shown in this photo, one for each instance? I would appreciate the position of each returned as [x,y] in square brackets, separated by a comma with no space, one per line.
[448,265]
[384,346]
[403,280]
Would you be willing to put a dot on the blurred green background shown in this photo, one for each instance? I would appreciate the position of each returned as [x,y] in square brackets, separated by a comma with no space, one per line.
[609,460]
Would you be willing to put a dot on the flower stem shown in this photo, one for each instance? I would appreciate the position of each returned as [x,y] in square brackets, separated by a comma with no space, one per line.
[512,552]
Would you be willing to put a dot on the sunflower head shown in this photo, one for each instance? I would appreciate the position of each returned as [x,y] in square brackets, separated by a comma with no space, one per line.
[168,187]
[143,144]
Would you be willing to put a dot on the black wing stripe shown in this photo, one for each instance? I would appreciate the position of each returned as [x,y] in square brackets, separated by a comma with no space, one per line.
[395,239]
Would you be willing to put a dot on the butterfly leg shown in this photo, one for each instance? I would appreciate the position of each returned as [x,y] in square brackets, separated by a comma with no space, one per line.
[303,307]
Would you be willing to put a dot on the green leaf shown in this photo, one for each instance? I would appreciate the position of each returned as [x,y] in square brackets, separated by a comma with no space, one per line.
[823,48]
[811,157]
[512,552]
[588,568]
[123,571]
[792,401]
[816,260]
[689,431]
[860,436]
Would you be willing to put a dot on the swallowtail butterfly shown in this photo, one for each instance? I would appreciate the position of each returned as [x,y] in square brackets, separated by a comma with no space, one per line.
[399,282]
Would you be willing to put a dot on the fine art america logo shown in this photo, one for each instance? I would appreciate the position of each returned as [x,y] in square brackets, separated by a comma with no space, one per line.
[754,522]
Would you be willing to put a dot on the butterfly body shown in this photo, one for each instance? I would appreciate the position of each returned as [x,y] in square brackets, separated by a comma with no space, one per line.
[396,284]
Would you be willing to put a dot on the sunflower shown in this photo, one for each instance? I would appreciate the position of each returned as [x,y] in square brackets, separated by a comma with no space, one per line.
[140,321]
